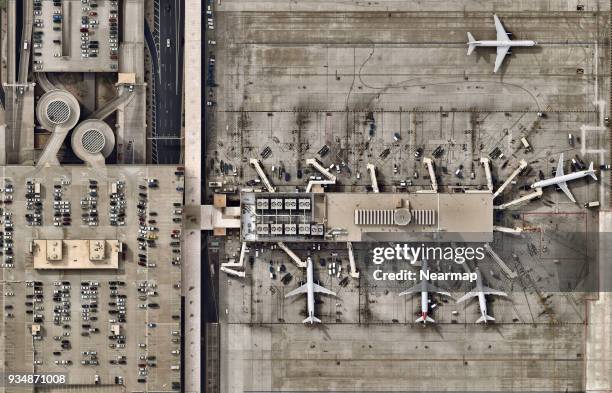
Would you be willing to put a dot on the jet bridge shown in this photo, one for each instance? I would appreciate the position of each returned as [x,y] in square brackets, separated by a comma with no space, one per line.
[262,174]
[522,165]
[512,231]
[536,194]
[372,169]
[486,163]
[432,176]
[320,168]
[331,179]
[229,267]
[292,255]
[354,273]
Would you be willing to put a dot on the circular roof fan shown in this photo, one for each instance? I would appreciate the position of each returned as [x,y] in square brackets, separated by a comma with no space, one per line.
[92,138]
[58,109]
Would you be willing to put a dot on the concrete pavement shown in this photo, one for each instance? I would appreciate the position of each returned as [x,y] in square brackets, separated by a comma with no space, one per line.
[193,185]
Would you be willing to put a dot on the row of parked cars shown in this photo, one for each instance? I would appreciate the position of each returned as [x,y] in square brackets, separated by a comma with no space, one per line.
[89,204]
[56,19]
[113,38]
[89,24]
[147,290]
[6,240]
[61,208]
[33,204]
[6,235]
[117,203]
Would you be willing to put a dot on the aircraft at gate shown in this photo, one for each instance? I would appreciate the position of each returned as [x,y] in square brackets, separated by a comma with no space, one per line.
[424,287]
[561,179]
[309,289]
[480,291]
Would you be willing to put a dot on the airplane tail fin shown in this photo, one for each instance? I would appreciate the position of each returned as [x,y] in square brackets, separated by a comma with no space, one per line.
[592,171]
[471,45]
[485,318]
[426,319]
[311,319]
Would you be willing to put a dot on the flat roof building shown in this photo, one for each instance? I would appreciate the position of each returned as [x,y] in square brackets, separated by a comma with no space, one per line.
[362,217]
[76,254]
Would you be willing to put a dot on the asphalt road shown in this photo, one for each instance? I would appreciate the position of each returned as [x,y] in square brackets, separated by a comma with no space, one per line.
[168,89]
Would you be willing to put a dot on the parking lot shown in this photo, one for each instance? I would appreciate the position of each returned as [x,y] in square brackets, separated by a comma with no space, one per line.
[75,35]
[117,326]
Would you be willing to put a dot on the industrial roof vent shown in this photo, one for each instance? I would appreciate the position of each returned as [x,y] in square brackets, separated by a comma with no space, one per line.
[93,141]
[58,109]
[402,217]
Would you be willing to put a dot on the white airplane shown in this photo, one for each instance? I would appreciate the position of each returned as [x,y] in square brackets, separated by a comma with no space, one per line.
[310,288]
[424,287]
[561,179]
[503,43]
[481,291]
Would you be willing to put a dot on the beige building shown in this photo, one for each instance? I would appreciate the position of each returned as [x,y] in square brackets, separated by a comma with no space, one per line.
[362,217]
[76,254]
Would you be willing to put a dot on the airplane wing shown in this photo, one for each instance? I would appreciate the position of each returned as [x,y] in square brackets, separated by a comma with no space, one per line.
[433,288]
[501,32]
[491,291]
[416,288]
[502,51]
[563,186]
[559,166]
[318,288]
[467,296]
[297,291]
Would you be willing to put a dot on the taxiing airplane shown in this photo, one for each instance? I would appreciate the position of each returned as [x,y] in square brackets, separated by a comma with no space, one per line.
[504,43]
[481,291]
[561,179]
[309,288]
[424,287]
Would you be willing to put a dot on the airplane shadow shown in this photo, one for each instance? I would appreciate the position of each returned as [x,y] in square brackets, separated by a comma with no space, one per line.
[488,55]
[323,328]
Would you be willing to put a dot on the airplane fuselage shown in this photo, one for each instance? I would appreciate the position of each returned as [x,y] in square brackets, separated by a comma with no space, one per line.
[561,179]
[424,295]
[482,301]
[424,304]
[310,288]
[481,292]
[503,43]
